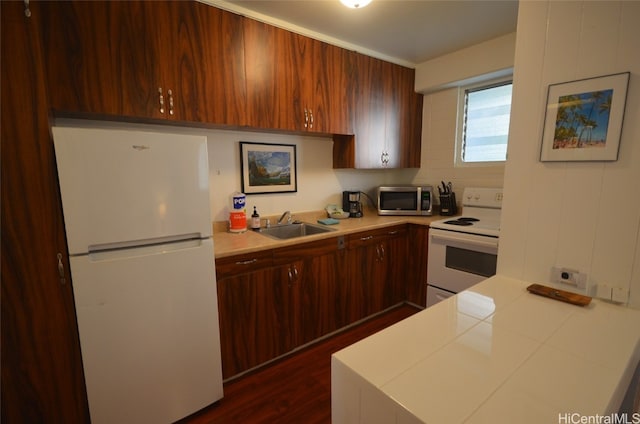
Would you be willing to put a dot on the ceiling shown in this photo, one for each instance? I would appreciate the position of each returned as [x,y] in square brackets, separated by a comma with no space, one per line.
[407,32]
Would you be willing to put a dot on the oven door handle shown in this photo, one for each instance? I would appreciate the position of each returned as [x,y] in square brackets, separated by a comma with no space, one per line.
[493,244]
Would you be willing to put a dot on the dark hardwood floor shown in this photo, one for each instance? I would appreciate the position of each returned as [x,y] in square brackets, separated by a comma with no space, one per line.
[296,389]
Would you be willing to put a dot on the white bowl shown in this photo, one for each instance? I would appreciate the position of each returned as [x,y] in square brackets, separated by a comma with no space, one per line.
[339,215]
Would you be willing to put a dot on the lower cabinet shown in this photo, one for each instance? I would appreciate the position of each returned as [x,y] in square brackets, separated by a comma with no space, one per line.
[417,265]
[314,273]
[377,265]
[274,301]
[252,307]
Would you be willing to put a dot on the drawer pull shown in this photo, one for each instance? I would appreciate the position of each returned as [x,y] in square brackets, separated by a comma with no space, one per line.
[249,262]
[366,238]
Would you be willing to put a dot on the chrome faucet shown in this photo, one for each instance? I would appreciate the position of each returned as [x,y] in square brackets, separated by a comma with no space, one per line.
[286,213]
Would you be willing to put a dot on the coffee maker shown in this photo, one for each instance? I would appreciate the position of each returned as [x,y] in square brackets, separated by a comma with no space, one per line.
[351,203]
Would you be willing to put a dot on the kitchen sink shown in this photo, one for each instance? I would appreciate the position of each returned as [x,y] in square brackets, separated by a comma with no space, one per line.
[297,229]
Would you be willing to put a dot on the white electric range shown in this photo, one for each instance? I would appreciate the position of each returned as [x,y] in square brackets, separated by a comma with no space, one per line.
[463,250]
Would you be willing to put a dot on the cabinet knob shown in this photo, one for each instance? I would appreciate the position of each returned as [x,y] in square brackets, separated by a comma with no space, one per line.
[61,270]
[293,274]
[170,94]
[161,97]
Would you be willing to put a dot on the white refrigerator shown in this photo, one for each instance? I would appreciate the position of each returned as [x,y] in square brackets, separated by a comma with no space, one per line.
[136,213]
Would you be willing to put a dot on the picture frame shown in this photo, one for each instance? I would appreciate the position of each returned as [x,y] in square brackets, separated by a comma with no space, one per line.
[583,119]
[268,168]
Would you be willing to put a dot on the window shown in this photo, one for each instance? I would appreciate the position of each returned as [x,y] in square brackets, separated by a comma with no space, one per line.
[483,127]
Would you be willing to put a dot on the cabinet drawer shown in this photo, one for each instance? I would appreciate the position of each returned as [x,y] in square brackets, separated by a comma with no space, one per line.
[366,238]
[306,250]
[239,264]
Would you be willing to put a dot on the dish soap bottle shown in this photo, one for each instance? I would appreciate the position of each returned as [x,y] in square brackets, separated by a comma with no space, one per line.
[255,220]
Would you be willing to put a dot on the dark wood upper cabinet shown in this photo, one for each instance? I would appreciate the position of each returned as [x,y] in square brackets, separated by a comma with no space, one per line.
[273,87]
[328,93]
[202,54]
[171,60]
[101,58]
[295,83]
[387,116]
[193,63]
[42,379]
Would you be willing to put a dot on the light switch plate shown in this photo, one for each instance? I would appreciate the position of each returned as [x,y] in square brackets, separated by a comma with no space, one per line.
[603,291]
[619,294]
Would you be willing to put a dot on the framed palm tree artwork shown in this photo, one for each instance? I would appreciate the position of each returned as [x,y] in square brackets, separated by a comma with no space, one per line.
[583,119]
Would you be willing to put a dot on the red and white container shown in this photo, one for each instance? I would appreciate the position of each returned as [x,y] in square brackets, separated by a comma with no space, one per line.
[238,213]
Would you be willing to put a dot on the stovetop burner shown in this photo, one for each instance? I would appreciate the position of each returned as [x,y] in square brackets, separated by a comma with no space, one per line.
[481,209]
[463,221]
[458,222]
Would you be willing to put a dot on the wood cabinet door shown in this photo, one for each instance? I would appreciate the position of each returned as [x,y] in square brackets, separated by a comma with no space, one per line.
[294,82]
[388,116]
[164,59]
[201,60]
[376,276]
[319,294]
[254,319]
[378,269]
[367,278]
[409,119]
[329,88]
[42,379]
[316,272]
[273,85]
[397,278]
[417,265]
[353,300]
[101,57]
[369,107]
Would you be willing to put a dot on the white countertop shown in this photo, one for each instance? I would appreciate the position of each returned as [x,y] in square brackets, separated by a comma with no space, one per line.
[493,353]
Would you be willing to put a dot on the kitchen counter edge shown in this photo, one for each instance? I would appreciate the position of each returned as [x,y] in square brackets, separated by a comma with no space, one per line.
[229,244]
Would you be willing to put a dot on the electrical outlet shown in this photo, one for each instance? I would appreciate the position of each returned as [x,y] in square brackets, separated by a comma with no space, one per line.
[568,276]
[498,197]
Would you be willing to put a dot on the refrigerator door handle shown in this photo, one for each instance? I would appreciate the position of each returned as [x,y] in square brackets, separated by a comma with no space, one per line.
[144,250]
[133,244]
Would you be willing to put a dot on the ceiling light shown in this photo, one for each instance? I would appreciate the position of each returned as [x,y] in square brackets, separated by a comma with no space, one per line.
[355,4]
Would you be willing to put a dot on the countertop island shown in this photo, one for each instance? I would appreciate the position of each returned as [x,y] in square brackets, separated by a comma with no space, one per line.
[492,354]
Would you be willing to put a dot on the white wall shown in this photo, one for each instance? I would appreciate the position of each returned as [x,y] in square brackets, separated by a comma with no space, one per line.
[579,215]
[439,80]
[490,59]
[439,120]
[318,183]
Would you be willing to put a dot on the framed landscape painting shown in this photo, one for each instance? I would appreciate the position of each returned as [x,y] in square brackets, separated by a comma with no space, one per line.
[268,168]
[583,120]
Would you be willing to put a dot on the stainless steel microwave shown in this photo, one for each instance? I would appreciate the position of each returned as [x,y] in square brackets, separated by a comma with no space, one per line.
[405,200]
